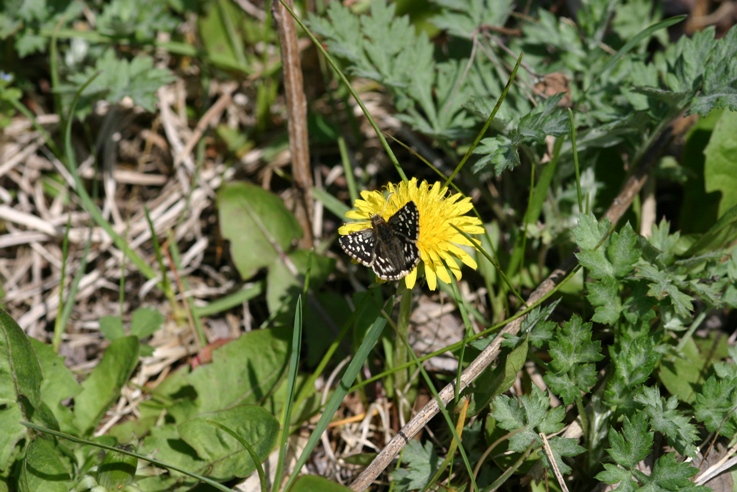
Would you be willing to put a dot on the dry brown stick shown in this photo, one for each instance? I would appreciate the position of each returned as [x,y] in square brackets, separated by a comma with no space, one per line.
[297,110]
[620,204]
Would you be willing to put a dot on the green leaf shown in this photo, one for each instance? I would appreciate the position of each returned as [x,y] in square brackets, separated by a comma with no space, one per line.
[663,285]
[112,327]
[462,19]
[503,152]
[102,387]
[145,322]
[719,87]
[636,360]
[117,470]
[720,167]
[501,378]
[562,447]
[499,152]
[20,384]
[43,469]
[310,483]
[613,475]
[546,119]
[682,374]
[623,251]
[715,406]
[633,444]
[257,224]
[573,345]
[225,454]
[19,362]
[137,79]
[531,414]
[668,474]
[666,419]
[242,372]
[589,232]
[419,464]
[58,383]
[604,296]
[286,278]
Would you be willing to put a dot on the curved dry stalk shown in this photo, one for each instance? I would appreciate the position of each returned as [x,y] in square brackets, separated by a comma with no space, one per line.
[297,125]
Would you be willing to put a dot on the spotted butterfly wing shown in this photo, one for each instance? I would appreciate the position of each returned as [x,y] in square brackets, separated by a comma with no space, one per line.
[389,247]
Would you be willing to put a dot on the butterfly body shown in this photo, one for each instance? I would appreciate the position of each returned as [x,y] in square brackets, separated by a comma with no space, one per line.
[389,247]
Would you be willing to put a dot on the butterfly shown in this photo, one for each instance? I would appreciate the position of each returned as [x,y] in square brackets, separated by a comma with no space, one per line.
[388,247]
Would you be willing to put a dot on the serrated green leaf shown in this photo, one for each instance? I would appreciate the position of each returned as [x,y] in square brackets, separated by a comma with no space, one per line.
[623,251]
[547,119]
[666,419]
[499,152]
[715,406]
[614,475]
[589,232]
[633,444]
[562,447]
[419,464]
[669,474]
[120,78]
[462,19]
[604,296]
[661,286]
[719,87]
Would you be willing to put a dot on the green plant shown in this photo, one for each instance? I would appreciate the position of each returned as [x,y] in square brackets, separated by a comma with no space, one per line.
[630,372]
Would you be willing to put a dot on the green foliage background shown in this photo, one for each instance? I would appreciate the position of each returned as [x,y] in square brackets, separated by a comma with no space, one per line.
[624,350]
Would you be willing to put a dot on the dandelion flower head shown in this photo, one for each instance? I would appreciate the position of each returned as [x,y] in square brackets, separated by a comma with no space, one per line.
[439,242]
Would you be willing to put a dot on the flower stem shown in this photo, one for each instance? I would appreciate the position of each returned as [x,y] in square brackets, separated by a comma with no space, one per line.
[401,345]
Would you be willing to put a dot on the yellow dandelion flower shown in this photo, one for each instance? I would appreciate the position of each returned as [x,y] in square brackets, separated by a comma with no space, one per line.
[438,243]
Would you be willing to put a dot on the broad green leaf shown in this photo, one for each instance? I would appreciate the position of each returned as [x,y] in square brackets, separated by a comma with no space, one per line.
[145,322]
[112,327]
[311,483]
[257,224]
[117,470]
[224,454]
[20,385]
[102,387]
[286,278]
[58,383]
[683,373]
[43,469]
[243,371]
[19,363]
[166,444]
[500,379]
[720,166]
